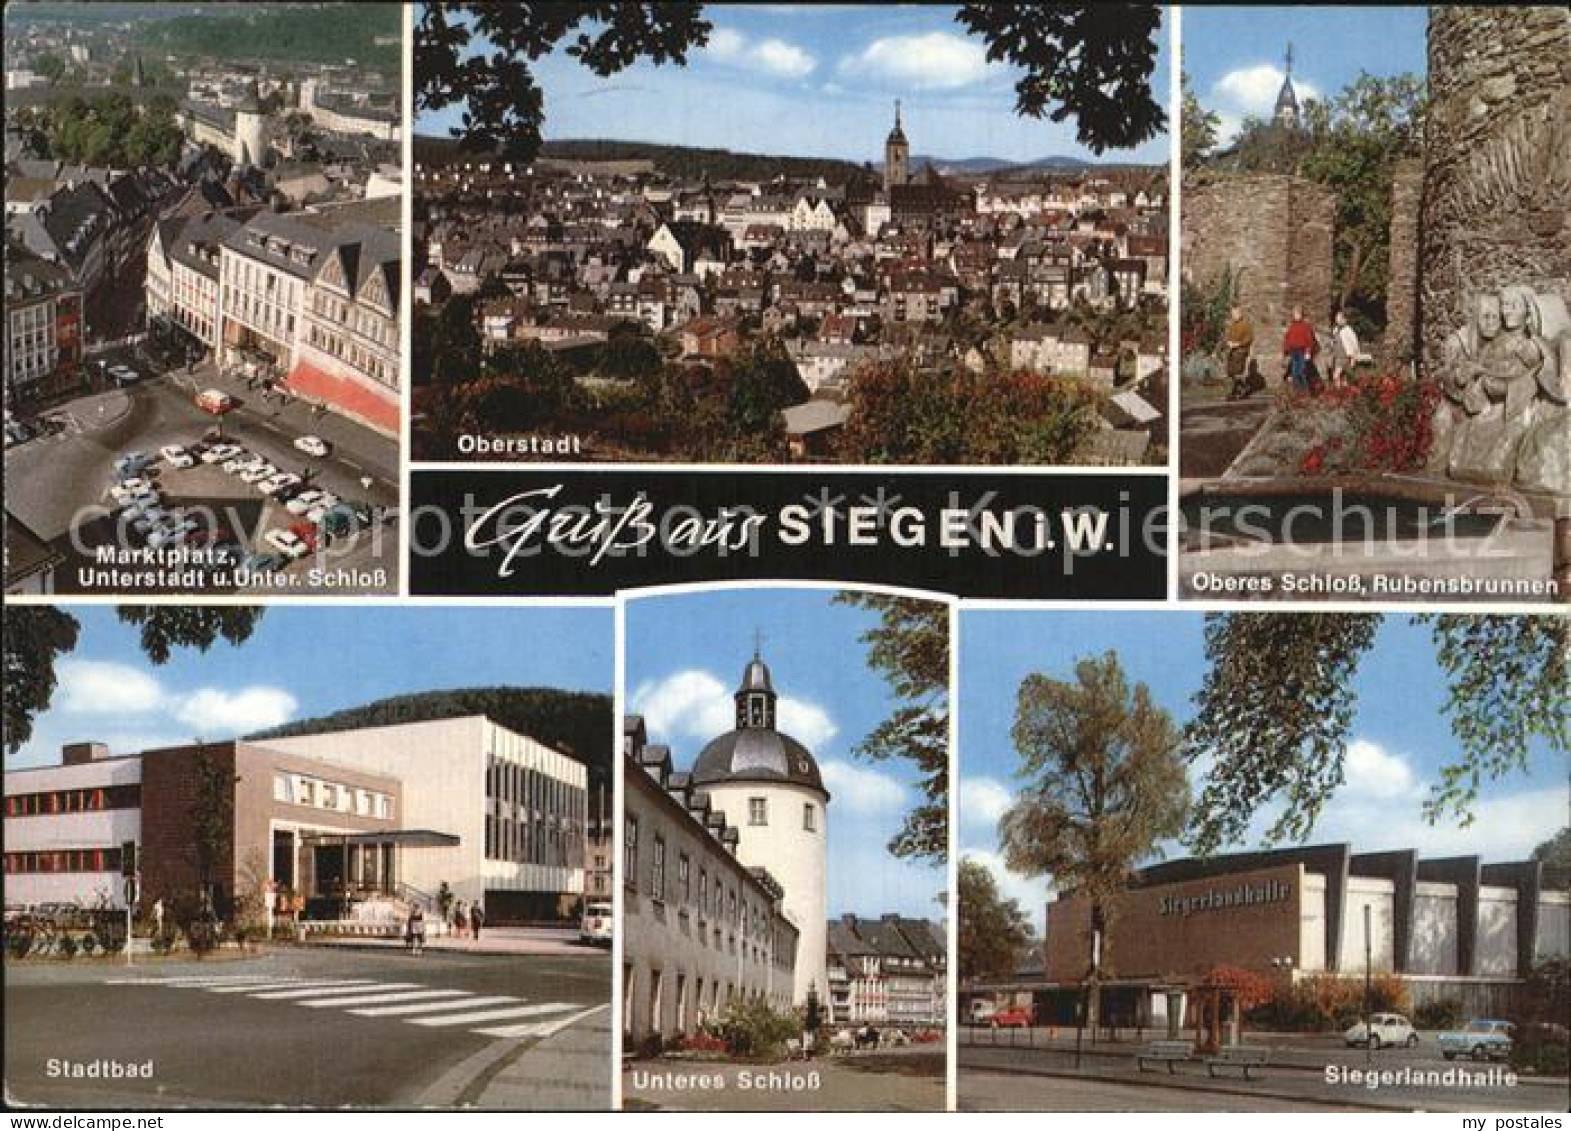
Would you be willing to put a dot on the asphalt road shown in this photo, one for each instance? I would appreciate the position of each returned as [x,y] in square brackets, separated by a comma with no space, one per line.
[1047,1079]
[51,478]
[418,1028]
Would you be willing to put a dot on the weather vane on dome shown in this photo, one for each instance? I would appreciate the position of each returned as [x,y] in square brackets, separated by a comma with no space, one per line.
[758,643]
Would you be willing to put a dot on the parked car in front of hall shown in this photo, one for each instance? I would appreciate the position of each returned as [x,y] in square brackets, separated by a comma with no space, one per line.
[1483,1038]
[1383,1030]
[1010,1019]
[312,445]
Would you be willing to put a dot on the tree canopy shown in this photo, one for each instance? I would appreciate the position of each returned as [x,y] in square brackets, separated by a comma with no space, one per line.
[1274,714]
[1090,63]
[909,647]
[995,934]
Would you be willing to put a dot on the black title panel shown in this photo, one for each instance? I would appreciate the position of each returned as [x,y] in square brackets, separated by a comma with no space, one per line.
[545,532]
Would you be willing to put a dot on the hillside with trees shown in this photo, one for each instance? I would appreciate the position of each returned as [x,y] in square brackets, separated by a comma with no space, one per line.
[330,33]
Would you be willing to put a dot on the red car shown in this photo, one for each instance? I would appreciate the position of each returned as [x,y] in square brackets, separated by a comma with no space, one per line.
[1011,1019]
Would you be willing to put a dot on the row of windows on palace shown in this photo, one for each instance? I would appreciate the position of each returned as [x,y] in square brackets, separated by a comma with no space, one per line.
[713,900]
[758,814]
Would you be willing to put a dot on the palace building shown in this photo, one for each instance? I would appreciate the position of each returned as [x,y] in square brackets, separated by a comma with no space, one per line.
[724,872]
[1453,927]
[344,819]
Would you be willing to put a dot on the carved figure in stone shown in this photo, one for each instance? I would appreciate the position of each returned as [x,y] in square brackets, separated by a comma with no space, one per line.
[1495,371]
[1544,462]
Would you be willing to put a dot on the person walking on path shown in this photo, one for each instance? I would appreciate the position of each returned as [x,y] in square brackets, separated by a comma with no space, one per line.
[461,918]
[1298,347]
[1345,351]
[477,919]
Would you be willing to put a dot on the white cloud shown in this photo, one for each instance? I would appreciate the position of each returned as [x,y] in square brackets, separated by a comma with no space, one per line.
[94,687]
[806,722]
[688,703]
[696,704]
[783,58]
[981,803]
[1373,771]
[213,711]
[937,59]
[787,60]
[858,790]
[1251,92]
[726,43]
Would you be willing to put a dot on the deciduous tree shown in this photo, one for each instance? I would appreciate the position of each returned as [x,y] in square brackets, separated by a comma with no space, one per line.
[1102,785]
[995,934]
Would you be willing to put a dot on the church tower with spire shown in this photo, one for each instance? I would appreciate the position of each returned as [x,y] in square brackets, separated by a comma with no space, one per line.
[897,155]
[1286,114]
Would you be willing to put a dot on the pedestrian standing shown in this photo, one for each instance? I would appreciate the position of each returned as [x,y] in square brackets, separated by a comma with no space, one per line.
[461,918]
[477,919]
[409,930]
[1240,340]
[418,917]
[1345,350]
[1299,346]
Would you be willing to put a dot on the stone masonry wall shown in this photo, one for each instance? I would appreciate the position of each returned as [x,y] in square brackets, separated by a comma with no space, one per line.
[1407,196]
[1275,233]
[1497,203]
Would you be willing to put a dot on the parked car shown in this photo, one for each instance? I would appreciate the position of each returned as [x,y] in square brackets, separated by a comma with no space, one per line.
[595,928]
[1010,1019]
[312,445]
[1384,1029]
[273,483]
[222,453]
[287,542]
[257,473]
[124,375]
[305,500]
[1484,1038]
[243,462]
[133,463]
[263,562]
[980,1011]
[172,534]
[176,456]
[127,489]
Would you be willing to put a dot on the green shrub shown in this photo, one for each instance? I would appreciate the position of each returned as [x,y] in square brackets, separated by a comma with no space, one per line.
[753,1029]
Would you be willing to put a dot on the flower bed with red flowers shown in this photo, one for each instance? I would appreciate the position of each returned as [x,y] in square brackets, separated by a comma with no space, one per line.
[703,1042]
[1386,424]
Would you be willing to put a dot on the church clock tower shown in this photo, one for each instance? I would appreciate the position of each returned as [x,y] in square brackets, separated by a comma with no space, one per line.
[897,155]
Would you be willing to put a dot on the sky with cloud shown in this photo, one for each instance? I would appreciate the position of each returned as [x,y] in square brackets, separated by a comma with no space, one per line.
[1399,736]
[1234,56]
[685,655]
[302,662]
[816,81]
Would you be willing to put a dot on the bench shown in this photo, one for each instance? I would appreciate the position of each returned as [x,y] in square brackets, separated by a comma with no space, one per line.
[1169,1052]
[1244,1057]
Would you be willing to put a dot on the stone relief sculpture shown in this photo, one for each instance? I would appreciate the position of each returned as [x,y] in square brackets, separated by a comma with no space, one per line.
[1505,376]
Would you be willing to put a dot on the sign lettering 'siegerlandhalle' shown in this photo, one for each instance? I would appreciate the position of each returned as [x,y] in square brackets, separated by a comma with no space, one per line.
[553,532]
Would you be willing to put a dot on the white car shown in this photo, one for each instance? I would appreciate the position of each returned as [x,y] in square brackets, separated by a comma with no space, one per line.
[1385,1030]
[312,445]
[176,456]
[317,513]
[286,543]
[222,453]
[258,472]
[276,483]
[304,501]
[128,489]
[242,462]
[149,518]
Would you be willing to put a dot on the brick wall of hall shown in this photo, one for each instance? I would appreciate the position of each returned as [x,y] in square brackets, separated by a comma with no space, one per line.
[1275,233]
[1497,200]
[170,781]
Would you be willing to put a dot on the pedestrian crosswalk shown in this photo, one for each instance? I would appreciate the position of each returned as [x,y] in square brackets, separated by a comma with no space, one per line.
[500,1016]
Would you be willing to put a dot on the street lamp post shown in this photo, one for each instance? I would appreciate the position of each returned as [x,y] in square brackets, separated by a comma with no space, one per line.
[1369,1033]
